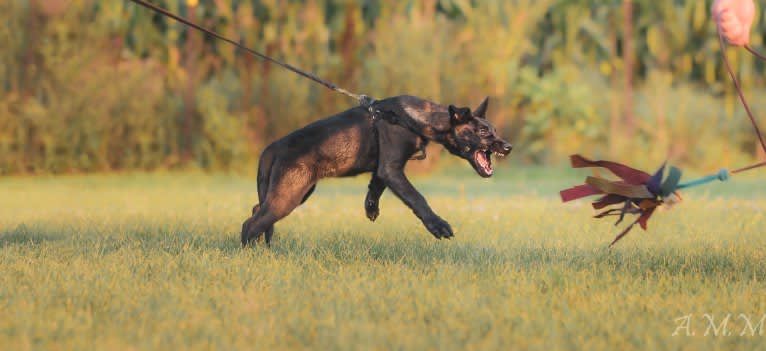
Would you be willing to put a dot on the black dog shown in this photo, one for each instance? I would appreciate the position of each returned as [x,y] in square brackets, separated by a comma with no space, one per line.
[356,141]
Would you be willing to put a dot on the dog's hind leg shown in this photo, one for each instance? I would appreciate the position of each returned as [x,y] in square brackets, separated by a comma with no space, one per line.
[308,193]
[275,208]
[283,197]
[270,230]
[263,221]
[269,234]
[265,165]
[376,188]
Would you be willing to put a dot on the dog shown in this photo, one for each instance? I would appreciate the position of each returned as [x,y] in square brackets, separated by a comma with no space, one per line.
[380,139]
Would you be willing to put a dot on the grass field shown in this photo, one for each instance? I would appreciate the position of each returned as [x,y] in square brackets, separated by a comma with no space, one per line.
[152,262]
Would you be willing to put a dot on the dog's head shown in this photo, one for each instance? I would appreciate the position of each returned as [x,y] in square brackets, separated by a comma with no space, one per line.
[473,138]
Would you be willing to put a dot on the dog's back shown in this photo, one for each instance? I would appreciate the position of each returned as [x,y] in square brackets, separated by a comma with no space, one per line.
[339,145]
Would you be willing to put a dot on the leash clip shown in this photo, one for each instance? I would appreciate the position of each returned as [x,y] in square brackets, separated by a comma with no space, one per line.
[367,102]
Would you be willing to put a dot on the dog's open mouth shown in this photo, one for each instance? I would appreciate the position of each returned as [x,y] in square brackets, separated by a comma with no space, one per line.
[483,162]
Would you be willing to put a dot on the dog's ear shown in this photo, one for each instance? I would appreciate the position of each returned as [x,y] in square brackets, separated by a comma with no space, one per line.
[481,111]
[459,115]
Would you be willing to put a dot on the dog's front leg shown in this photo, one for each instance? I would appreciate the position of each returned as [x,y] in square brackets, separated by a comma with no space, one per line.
[393,177]
[376,188]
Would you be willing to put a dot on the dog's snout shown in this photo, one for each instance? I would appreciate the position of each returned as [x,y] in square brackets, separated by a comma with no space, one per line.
[503,147]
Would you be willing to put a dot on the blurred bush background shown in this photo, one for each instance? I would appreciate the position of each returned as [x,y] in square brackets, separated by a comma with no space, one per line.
[94,86]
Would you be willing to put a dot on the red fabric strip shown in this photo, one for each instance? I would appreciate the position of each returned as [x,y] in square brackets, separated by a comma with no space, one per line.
[645,217]
[628,174]
[578,192]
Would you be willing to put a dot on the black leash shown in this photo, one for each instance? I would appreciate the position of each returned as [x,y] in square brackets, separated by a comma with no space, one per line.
[363,100]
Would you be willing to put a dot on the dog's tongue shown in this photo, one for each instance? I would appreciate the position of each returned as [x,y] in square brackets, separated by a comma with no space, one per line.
[481,159]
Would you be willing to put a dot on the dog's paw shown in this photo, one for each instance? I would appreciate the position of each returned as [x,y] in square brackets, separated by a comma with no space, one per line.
[439,228]
[245,236]
[371,209]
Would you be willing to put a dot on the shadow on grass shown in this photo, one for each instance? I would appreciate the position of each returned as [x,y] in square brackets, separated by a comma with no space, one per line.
[722,264]
[172,239]
[24,235]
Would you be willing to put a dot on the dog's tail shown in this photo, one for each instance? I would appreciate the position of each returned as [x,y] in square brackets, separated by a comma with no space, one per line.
[264,176]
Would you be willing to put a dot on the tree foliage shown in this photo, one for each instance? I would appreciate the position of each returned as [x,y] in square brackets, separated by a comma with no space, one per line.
[106,85]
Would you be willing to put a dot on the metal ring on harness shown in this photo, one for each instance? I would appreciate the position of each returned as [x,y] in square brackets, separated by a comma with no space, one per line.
[367,102]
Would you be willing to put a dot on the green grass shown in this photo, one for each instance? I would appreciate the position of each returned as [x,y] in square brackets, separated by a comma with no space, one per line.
[152,262]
